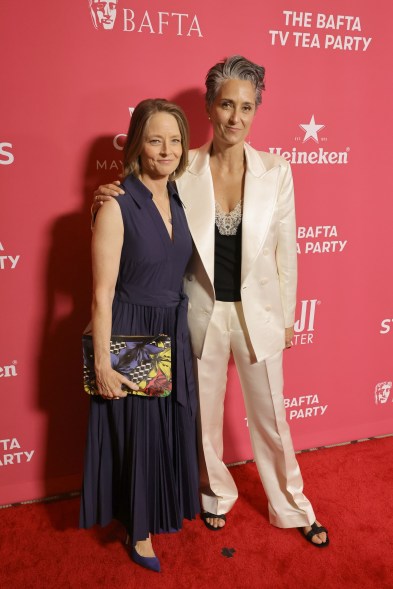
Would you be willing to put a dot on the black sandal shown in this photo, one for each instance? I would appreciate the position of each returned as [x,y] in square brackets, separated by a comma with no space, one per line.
[206,514]
[315,529]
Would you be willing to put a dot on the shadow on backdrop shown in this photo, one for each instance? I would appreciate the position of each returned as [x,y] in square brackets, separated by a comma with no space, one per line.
[66,312]
[192,102]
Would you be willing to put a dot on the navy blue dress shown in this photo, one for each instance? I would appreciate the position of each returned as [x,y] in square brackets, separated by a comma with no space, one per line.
[141,457]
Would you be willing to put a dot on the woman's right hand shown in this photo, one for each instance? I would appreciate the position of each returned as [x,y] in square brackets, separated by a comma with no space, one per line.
[105,192]
[109,384]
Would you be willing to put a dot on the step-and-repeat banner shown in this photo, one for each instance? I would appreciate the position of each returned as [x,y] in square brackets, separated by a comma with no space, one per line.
[71,75]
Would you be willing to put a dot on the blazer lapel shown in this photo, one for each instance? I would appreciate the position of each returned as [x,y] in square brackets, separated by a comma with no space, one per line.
[197,193]
[260,196]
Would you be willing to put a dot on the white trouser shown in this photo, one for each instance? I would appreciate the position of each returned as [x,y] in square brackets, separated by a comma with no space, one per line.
[262,386]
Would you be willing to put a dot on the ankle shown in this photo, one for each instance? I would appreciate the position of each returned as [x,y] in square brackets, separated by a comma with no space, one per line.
[145,548]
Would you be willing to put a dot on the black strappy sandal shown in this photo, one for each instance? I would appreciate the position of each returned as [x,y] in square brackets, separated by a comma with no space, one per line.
[206,514]
[315,529]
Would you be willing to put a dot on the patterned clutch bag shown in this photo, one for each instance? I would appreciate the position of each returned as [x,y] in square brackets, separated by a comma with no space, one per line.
[145,360]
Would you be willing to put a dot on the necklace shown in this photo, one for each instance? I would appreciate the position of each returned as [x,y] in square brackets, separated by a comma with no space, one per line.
[167,213]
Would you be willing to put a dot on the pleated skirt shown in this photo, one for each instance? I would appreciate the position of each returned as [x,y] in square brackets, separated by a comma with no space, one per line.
[141,459]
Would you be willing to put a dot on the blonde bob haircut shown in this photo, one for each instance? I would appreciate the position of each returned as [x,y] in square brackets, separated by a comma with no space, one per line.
[137,132]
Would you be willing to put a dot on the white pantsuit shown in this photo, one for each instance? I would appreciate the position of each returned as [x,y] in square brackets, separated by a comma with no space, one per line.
[253,329]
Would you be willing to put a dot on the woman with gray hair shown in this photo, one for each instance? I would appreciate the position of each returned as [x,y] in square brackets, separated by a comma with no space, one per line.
[241,284]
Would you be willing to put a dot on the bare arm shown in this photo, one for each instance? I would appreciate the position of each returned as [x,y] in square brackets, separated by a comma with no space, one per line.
[106,250]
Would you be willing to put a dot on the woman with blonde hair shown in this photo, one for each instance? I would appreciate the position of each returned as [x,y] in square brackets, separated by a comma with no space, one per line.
[141,459]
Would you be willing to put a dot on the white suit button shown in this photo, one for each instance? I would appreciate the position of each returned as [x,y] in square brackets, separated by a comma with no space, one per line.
[265,251]
[264,281]
[189,277]
[268,308]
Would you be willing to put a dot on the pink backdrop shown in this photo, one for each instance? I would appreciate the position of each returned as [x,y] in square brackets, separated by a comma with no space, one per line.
[66,93]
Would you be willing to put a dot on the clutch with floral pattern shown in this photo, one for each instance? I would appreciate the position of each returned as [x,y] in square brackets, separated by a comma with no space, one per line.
[145,360]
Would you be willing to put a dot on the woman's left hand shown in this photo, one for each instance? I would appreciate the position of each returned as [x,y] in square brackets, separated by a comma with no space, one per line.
[289,333]
[109,384]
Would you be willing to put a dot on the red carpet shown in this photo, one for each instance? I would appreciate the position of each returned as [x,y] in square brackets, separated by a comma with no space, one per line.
[351,490]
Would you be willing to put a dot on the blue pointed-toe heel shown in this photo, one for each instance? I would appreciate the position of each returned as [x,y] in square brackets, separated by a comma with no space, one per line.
[148,562]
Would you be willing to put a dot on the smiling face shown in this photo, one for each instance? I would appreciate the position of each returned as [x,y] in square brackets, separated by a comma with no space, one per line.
[162,146]
[233,111]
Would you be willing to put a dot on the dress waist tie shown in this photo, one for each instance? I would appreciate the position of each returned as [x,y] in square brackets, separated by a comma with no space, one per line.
[185,385]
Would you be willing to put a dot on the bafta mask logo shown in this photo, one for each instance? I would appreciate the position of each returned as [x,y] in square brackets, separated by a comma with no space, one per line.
[382,392]
[103,13]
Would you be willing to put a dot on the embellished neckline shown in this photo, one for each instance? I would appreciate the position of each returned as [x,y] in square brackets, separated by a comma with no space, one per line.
[228,223]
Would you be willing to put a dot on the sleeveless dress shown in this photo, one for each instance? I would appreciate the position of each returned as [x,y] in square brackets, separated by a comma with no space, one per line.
[141,453]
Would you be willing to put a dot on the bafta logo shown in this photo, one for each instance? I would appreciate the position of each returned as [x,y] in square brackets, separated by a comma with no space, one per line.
[382,392]
[103,13]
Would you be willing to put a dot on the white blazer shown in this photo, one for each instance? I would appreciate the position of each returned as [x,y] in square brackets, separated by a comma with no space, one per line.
[268,268]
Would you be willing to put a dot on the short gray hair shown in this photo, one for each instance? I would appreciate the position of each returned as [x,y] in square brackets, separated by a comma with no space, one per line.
[235,67]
